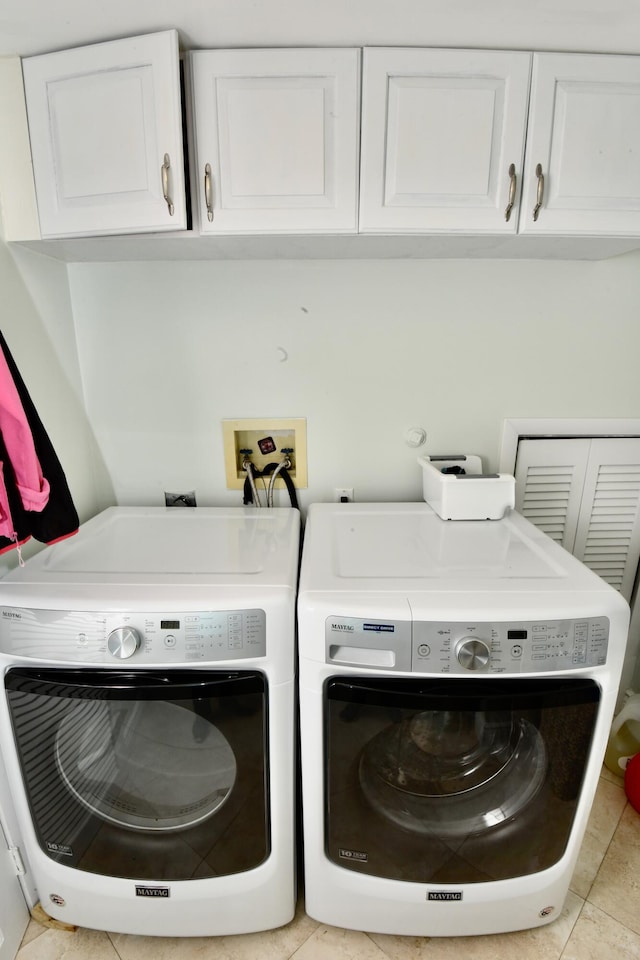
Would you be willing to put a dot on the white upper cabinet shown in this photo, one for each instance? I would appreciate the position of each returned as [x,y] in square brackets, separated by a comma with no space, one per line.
[442,139]
[583,146]
[105,124]
[276,136]
[465,143]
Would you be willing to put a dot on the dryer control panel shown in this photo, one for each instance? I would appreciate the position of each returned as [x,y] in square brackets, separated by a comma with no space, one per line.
[142,638]
[467,647]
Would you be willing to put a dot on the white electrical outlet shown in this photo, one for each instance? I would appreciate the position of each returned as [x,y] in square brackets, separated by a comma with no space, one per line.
[343,494]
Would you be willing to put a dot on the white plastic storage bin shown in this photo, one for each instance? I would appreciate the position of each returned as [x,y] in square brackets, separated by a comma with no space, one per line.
[467,494]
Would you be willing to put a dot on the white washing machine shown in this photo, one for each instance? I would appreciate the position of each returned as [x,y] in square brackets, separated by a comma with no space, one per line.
[457,684]
[147,719]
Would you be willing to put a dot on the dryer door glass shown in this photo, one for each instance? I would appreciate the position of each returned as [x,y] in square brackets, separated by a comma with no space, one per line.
[143,774]
[145,765]
[454,781]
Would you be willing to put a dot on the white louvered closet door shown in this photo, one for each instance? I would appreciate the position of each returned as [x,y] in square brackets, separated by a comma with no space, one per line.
[585,493]
[549,481]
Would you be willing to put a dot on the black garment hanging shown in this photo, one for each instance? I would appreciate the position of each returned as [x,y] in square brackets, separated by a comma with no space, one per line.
[59,518]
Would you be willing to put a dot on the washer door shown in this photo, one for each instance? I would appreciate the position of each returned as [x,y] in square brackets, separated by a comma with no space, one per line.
[454,780]
[145,774]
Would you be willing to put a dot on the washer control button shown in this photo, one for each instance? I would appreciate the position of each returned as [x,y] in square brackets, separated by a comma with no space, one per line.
[170,641]
[123,642]
[473,654]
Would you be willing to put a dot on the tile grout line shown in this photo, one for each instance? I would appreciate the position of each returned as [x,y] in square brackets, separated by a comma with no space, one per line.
[620,923]
[382,949]
[608,847]
[115,949]
[615,828]
[300,901]
[571,932]
[300,946]
[597,906]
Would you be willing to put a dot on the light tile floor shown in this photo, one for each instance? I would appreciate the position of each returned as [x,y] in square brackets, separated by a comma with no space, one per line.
[601,919]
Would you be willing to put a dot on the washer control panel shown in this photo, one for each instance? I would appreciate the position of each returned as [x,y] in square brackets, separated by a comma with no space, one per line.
[531,646]
[468,647]
[151,638]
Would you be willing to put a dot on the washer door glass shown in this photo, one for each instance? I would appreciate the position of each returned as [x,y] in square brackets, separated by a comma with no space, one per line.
[147,774]
[454,781]
[452,771]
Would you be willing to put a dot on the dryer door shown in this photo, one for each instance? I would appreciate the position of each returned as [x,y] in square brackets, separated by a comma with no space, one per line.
[454,781]
[144,774]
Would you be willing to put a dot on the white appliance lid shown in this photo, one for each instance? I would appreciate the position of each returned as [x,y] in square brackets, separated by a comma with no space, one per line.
[406,547]
[152,545]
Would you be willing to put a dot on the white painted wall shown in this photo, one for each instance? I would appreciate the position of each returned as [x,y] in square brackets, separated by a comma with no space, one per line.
[38,327]
[167,350]
[33,26]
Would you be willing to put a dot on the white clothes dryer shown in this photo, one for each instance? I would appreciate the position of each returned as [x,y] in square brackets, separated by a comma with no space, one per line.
[147,719]
[457,685]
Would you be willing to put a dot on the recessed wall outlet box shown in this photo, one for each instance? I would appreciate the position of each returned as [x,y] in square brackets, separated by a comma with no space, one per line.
[456,488]
[180,499]
[264,441]
[343,494]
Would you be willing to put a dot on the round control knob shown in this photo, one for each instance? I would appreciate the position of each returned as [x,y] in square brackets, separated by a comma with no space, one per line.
[123,642]
[473,654]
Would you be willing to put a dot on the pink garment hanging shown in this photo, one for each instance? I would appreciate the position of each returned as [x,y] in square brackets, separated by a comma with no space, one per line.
[18,439]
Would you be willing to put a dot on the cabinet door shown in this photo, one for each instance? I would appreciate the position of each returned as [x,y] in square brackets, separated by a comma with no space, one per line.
[105,123]
[584,133]
[440,131]
[277,135]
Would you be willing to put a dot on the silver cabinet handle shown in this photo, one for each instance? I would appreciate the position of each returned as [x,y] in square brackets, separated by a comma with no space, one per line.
[512,191]
[165,183]
[540,193]
[208,199]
